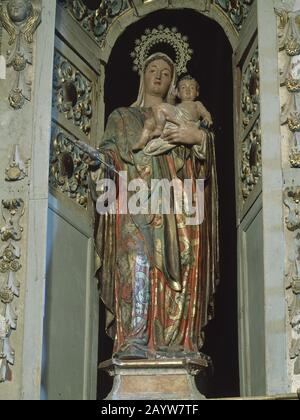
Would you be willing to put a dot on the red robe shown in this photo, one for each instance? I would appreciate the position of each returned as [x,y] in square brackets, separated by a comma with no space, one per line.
[157,276]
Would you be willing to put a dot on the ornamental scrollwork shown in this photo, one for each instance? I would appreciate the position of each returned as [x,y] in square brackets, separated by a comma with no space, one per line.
[9,290]
[291,200]
[95,21]
[236,10]
[20,19]
[2,58]
[10,256]
[251,163]
[289,48]
[292,203]
[72,94]
[12,211]
[17,169]
[294,307]
[250,90]
[68,172]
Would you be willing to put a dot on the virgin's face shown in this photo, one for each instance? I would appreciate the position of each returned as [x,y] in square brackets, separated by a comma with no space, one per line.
[18,10]
[158,77]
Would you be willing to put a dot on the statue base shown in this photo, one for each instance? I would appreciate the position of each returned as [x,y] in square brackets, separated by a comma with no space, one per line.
[163,379]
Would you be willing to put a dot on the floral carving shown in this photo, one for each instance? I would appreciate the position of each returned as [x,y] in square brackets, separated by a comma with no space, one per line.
[8,322]
[12,211]
[68,173]
[292,203]
[16,98]
[95,21]
[72,94]
[237,10]
[250,90]
[10,264]
[9,258]
[20,19]
[2,58]
[17,169]
[289,45]
[251,164]
[289,52]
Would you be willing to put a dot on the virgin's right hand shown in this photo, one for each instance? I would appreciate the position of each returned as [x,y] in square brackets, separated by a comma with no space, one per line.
[87,159]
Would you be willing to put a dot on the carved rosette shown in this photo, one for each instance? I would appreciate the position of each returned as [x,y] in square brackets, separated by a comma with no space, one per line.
[250,90]
[17,169]
[72,94]
[292,220]
[289,56]
[21,24]
[251,163]
[236,10]
[12,211]
[96,21]
[68,173]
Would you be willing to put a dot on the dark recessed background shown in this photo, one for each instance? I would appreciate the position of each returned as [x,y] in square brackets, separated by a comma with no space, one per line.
[212,67]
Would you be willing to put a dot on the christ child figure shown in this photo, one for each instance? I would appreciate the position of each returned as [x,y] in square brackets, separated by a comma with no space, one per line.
[165,116]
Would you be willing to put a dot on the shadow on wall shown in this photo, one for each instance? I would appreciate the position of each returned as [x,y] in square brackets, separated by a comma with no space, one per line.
[212,67]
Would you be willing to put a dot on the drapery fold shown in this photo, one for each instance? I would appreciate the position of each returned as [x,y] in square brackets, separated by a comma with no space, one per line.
[157,275]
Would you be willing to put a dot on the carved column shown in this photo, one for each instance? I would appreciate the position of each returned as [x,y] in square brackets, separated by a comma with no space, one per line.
[10,266]
[292,222]
[288,20]
[25,109]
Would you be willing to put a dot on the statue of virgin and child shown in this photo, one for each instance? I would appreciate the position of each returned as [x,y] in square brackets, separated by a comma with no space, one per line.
[157,272]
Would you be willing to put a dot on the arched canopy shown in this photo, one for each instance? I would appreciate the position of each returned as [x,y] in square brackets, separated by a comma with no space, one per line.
[141,9]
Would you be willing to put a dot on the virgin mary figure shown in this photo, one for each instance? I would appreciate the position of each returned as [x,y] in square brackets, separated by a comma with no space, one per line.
[157,273]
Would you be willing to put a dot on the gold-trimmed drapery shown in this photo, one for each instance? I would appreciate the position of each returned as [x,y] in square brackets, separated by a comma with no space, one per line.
[157,275]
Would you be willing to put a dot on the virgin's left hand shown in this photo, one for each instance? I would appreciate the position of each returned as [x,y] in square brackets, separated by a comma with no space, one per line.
[185,134]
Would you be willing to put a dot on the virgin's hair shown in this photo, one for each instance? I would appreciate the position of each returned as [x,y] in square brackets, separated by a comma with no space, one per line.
[159,56]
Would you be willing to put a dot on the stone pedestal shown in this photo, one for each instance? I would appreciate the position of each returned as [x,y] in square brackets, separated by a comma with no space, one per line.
[167,379]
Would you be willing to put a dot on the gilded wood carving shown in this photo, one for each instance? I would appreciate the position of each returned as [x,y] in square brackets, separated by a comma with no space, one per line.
[10,254]
[20,19]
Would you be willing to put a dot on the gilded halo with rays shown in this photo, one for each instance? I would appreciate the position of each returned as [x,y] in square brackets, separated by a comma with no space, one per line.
[158,36]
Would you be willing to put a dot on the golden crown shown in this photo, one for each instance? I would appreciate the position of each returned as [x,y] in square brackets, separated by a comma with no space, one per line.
[162,35]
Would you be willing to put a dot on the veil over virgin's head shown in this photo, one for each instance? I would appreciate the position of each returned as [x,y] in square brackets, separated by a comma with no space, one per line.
[157,56]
